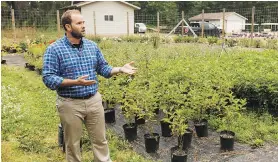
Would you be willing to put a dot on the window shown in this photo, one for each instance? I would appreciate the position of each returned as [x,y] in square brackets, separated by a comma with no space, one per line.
[206,26]
[211,26]
[108,17]
[194,25]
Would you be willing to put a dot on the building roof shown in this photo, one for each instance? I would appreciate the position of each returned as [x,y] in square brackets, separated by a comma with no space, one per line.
[269,24]
[78,5]
[214,16]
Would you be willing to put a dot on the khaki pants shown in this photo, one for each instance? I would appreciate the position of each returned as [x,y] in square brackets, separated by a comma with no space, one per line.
[73,112]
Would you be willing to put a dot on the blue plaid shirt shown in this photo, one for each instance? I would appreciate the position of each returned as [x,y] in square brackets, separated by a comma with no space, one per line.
[63,61]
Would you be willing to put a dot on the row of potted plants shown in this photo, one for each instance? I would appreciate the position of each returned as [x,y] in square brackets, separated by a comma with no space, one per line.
[231,42]
[187,84]
[176,116]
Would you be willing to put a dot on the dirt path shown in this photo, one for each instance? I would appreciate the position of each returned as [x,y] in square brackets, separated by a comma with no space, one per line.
[202,149]
[15,59]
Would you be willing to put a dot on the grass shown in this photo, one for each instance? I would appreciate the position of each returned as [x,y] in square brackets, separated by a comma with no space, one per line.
[30,123]
[250,128]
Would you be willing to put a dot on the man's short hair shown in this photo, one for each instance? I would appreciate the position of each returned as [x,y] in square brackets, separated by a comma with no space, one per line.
[66,17]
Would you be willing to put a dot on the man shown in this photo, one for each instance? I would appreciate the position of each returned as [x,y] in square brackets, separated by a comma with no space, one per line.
[70,67]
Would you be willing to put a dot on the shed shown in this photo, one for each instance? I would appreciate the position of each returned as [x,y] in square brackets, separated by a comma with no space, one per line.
[107,18]
[234,22]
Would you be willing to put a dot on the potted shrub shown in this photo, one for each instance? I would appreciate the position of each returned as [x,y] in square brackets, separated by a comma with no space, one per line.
[198,100]
[231,112]
[111,97]
[129,105]
[38,64]
[179,127]
[145,96]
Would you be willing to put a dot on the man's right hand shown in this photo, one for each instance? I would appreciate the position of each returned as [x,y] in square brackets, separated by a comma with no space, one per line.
[82,81]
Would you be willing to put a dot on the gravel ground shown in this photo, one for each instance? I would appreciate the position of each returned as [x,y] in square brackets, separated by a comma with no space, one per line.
[206,149]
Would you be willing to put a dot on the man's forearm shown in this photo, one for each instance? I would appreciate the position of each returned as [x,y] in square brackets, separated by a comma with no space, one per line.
[69,82]
[116,70]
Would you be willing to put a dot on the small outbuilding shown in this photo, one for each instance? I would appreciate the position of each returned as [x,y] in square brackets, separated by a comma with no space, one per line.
[107,18]
[234,22]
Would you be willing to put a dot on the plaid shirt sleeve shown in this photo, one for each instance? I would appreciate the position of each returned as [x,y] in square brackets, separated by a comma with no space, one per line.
[51,76]
[103,68]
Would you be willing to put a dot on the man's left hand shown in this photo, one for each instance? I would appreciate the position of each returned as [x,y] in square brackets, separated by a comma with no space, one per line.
[128,68]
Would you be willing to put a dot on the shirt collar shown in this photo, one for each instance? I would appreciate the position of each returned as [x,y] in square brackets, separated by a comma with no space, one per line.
[69,43]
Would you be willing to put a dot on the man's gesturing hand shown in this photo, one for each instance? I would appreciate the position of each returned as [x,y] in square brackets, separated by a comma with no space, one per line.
[128,68]
[82,81]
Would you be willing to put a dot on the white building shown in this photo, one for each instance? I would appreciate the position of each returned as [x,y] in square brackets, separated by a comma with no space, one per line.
[107,18]
[234,22]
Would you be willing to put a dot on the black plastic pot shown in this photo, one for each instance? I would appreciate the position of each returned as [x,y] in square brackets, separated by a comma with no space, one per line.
[12,51]
[156,111]
[31,67]
[139,120]
[185,139]
[253,104]
[201,128]
[151,142]
[130,131]
[227,140]
[165,129]
[109,115]
[3,61]
[26,65]
[39,71]
[178,155]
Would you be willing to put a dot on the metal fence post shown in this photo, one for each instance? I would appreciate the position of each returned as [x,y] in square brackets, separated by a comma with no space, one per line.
[95,30]
[182,16]
[127,24]
[223,25]
[252,27]
[158,30]
[13,23]
[203,11]
[58,21]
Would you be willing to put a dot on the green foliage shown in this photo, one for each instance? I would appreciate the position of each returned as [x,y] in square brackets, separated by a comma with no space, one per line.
[272,44]
[96,39]
[105,44]
[202,40]
[212,40]
[185,79]
[249,127]
[155,40]
[245,42]
[231,42]
[10,47]
[131,38]
[178,39]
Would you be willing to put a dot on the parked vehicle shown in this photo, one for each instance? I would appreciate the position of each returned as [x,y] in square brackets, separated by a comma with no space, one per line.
[209,29]
[140,28]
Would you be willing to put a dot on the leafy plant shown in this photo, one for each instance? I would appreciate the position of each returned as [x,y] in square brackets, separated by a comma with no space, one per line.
[129,102]
[212,40]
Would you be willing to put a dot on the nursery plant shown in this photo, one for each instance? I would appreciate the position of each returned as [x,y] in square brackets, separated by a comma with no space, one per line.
[231,111]
[130,108]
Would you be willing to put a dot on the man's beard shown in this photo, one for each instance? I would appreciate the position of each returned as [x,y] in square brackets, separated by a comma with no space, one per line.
[77,35]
